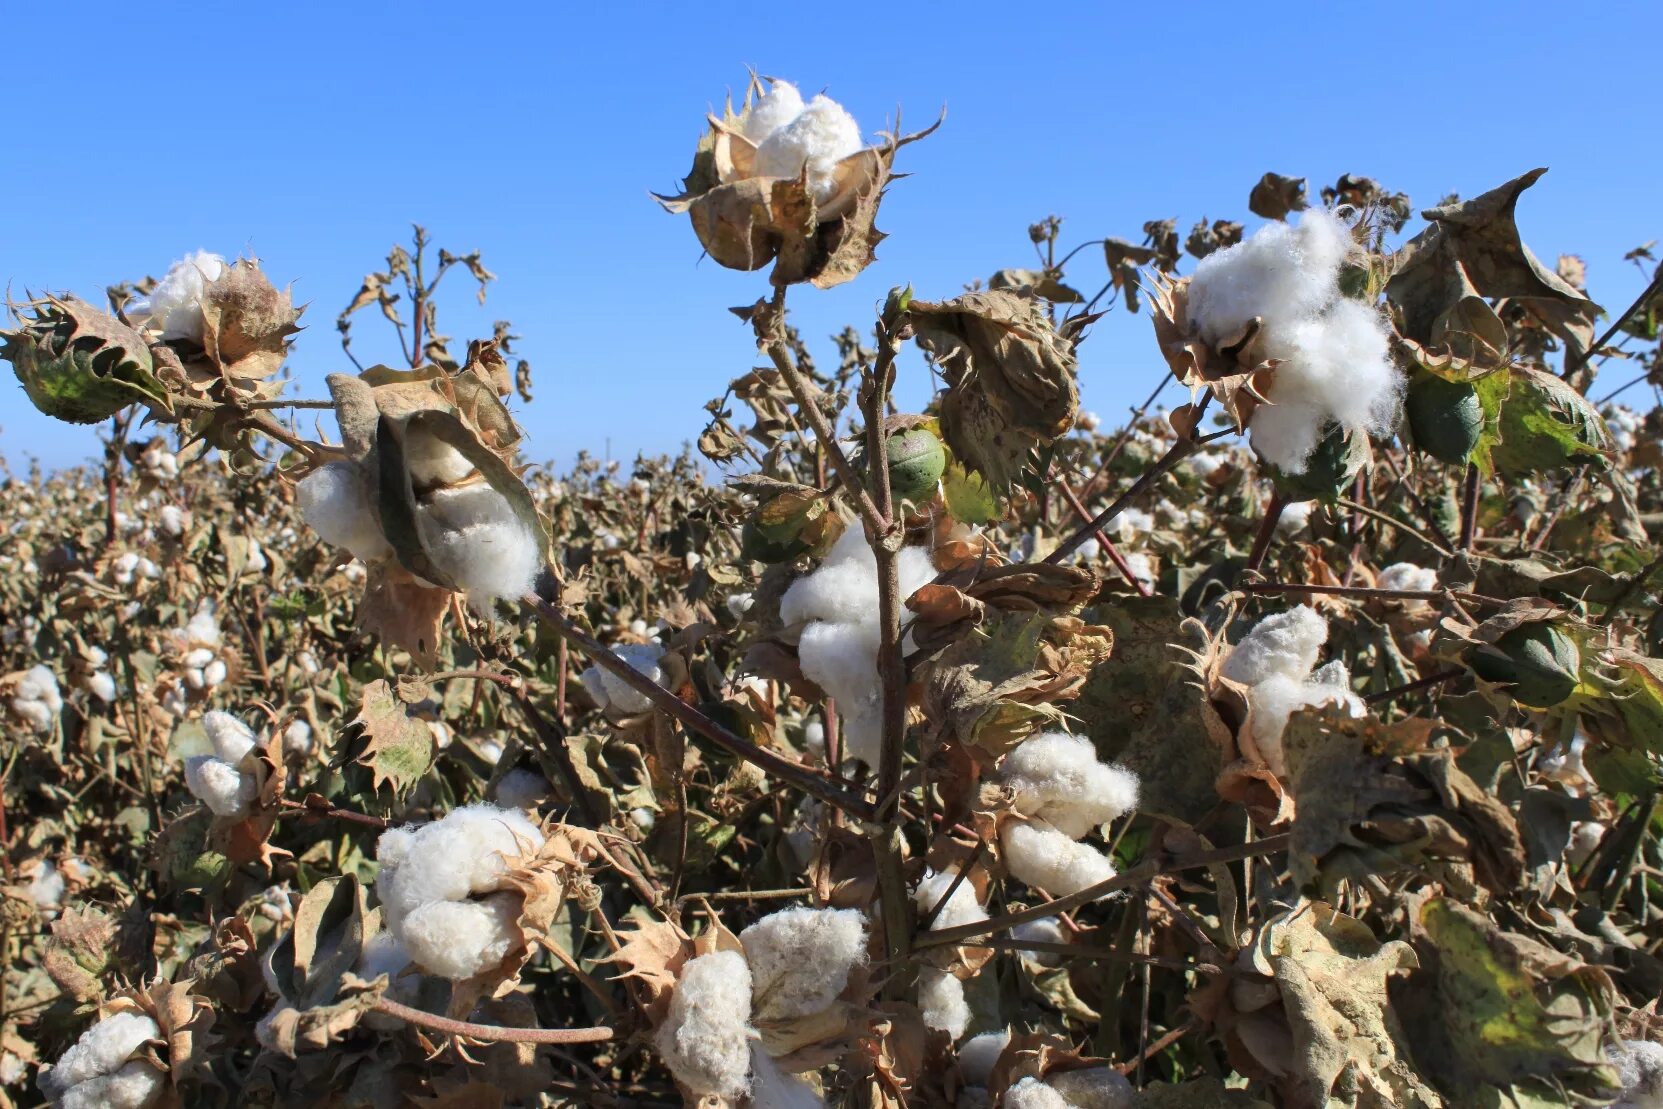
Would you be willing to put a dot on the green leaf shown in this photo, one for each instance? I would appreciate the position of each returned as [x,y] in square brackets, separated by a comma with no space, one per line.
[1547,425]
[968,498]
[397,749]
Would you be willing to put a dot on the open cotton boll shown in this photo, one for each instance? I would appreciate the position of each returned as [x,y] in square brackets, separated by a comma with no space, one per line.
[1046,930]
[174,306]
[227,791]
[432,461]
[941,1001]
[1094,1088]
[1295,516]
[1040,856]
[232,739]
[430,875]
[800,959]
[1285,644]
[781,104]
[612,692]
[99,1071]
[1406,575]
[334,501]
[1031,1093]
[384,953]
[473,535]
[101,685]
[1058,778]
[522,789]
[41,684]
[1639,1066]
[961,908]
[705,1038]
[46,886]
[1585,838]
[815,140]
[297,738]
[1281,273]
[1131,523]
[772,1088]
[1273,701]
[979,1053]
[1334,369]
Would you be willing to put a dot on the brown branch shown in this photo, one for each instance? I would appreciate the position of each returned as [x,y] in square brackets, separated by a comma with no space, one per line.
[1393,521]
[1370,591]
[1469,506]
[492,1033]
[317,806]
[1424,683]
[1179,451]
[1107,544]
[1267,531]
[665,701]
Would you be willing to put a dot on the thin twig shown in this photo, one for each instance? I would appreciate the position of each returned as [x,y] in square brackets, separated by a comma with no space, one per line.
[1107,544]
[1635,582]
[1469,506]
[1393,521]
[1267,531]
[1179,451]
[1369,591]
[492,1033]
[1646,294]
[1423,683]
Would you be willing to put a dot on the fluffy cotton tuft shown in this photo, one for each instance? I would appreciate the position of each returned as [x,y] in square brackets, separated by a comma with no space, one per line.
[941,1002]
[814,141]
[334,501]
[1283,643]
[1040,856]
[1639,1066]
[978,1054]
[227,791]
[441,887]
[522,789]
[706,1037]
[1057,777]
[800,959]
[174,306]
[473,535]
[1046,930]
[1094,1088]
[1406,575]
[383,953]
[612,692]
[1273,701]
[781,104]
[1335,362]
[772,1088]
[99,1071]
[232,739]
[961,908]
[1031,1093]
[38,700]
[837,607]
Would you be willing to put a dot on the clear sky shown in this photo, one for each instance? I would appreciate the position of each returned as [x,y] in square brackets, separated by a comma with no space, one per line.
[312,134]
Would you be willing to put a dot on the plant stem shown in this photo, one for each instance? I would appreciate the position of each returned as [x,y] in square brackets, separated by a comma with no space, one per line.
[1368,591]
[1107,544]
[1469,506]
[1266,532]
[1393,521]
[492,1033]
[1635,582]
[1179,451]
[1422,683]
[665,701]
[1574,366]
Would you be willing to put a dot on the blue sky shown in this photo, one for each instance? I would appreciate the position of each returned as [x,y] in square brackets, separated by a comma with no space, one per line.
[312,134]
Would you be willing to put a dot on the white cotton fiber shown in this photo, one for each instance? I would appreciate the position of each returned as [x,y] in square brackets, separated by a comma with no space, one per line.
[227,791]
[41,684]
[334,501]
[1295,516]
[232,739]
[772,1088]
[800,959]
[1057,777]
[941,1001]
[1039,856]
[473,535]
[978,1054]
[1046,930]
[46,886]
[98,1070]
[1585,839]
[1031,1093]
[436,884]
[836,610]
[1334,355]
[384,953]
[612,692]
[1408,576]
[1278,697]
[1639,1066]
[705,1039]
[1094,1088]
[1283,643]
[174,306]
[1129,524]
[819,137]
[781,104]
[522,789]
[432,461]
[961,908]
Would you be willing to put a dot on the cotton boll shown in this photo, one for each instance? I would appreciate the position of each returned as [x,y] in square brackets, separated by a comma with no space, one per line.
[232,739]
[843,590]
[1031,1093]
[612,692]
[98,1070]
[705,1038]
[1295,516]
[1058,778]
[1273,701]
[781,104]
[739,604]
[1408,576]
[385,953]
[101,685]
[432,461]
[221,786]
[297,739]
[941,1002]
[978,1054]
[819,137]
[1287,431]
[1040,856]
[1281,273]
[1639,1066]
[800,959]
[1341,361]
[1094,1088]
[459,939]
[1283,643]
[40,684]
[961,908]
[1585,839]
[1046,930]
[334,501]
[46,886]
[174,306]
[772,1088]
[1131,523]
[472,534]
[522,789]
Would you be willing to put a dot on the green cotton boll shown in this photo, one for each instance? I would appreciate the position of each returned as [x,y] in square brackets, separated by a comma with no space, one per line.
[1332,467]
[1446,418]
[1541,663]
[916,463]
[80,364]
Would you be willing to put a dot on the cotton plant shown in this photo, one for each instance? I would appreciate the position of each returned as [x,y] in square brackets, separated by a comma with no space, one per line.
[174,306]
[1277,662]
[95,676]
[729,1007]
[1060,793]
[614,694]
[225,781]
[158,463]
[111,1066]
[835,611]
[1639,1067]
[36,699]
[129,568]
